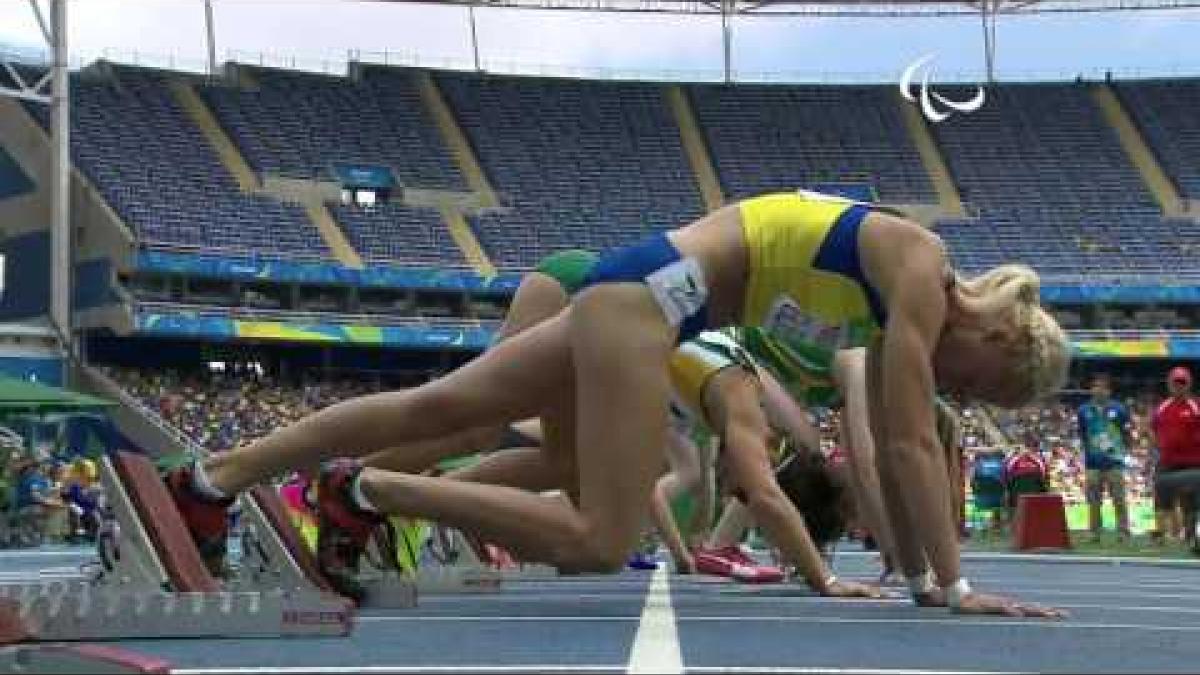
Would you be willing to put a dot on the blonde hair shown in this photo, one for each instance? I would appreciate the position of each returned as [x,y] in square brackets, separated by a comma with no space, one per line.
[1013,291]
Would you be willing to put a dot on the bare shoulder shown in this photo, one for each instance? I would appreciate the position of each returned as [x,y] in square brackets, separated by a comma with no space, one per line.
[897,251]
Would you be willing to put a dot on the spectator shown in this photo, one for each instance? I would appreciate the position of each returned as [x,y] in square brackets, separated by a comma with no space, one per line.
[1176,432]
[1024,473]
[81,492]
[987,485]
[37,503]
[1104,433]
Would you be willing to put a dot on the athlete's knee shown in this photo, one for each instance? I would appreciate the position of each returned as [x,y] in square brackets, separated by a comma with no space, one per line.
[591,557]
[589,553]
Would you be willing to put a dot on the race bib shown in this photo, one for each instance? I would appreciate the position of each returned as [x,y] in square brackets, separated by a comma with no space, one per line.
[790,324]
[679,289]
[1102,442]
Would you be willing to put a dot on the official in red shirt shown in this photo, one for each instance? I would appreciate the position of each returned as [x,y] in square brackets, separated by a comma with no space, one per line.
[1176,428]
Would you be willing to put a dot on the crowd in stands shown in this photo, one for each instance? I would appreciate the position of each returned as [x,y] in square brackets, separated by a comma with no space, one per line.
[47,497]
[1053,430]
[219,408]
[1050,429]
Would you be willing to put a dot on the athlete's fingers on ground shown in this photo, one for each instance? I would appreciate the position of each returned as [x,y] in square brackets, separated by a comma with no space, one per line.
[1041,611]
[980,603]
[853,589]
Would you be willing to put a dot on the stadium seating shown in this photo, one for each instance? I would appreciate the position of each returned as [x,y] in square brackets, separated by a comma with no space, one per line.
[156,169]
[596,164]
[1165,111]
[1052,188]
[299,125]
[579,164]
[767,137]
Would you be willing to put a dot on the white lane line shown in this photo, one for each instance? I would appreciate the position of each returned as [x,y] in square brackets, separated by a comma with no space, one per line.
[963,621]
[835,670]
[396,669]
[802,595]
[1110,595]
[1124,583]
[1126,608]
[505,619]
[656,643]
[537,668]
[984,557]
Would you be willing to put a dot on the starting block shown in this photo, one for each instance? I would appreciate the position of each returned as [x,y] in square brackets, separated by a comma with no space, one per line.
[448,563]
[273,547]
[150,581]
[65,659]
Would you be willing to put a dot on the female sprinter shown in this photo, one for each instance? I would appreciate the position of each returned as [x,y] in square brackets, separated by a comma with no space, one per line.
[526,460]
[811,269]
[715,383]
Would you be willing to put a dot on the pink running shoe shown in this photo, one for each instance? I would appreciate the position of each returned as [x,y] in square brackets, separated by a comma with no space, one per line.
[736,564]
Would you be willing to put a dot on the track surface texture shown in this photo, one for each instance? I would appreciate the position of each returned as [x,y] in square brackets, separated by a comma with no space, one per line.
[1124,618]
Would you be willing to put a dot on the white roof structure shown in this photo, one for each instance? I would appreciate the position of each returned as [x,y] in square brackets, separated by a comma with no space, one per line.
[823,8]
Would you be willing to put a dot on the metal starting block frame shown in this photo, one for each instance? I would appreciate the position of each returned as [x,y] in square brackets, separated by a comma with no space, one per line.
[66,612]
[268,560]
[448,564]
[129,593]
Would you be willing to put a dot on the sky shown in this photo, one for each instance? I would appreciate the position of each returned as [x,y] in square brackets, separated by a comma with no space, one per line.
[320,34]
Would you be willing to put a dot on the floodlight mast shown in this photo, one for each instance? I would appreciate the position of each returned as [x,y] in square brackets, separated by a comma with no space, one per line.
[58,98]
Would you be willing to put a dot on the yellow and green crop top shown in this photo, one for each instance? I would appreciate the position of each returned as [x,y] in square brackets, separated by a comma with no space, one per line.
[805,284]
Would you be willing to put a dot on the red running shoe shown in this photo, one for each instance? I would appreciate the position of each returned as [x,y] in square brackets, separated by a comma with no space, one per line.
[734,563]
[207,519]
[343,529]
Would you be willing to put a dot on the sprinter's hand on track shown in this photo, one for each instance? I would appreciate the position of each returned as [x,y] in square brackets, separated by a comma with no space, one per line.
[852,589]
[983,603]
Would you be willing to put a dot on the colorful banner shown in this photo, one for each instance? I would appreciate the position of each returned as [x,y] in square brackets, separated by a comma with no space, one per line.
[287,271]
[379,276]
[1090,294]
[220,328]
[1141,517]
[1122,348]
[1169,347]
[418,335]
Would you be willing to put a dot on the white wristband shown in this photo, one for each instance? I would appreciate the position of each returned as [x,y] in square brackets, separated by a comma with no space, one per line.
[830,581]
[956,591]
[921,584]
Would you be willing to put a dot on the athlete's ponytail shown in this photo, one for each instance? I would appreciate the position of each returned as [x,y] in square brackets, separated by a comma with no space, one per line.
[1013,292]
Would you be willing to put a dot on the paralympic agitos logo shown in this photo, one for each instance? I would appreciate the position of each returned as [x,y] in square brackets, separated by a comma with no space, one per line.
[928,96]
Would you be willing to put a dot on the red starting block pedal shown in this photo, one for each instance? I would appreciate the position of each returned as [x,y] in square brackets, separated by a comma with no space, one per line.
[12,629]
[64,659]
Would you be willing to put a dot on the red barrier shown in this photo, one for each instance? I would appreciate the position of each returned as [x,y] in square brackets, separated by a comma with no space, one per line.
[1041,523]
